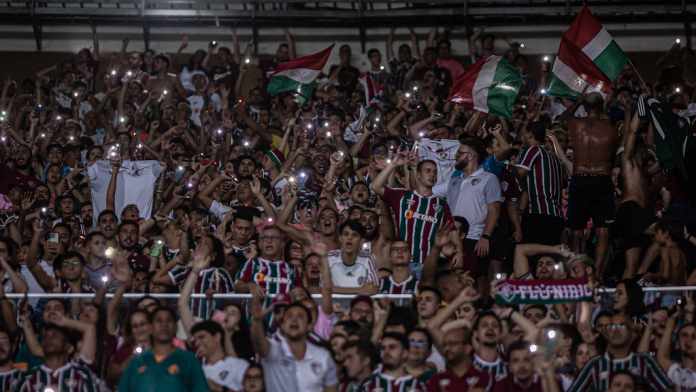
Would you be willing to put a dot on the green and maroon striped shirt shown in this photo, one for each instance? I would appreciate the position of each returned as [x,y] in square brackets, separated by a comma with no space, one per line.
[10,379]
[380,382]
[596,374]
[387,285]
[69,378]
[545,181]
[417,219]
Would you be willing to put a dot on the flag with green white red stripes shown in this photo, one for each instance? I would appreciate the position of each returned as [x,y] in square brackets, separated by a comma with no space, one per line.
[588,56]
[490,85]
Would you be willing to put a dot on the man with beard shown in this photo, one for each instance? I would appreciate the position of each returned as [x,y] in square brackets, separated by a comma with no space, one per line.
[361,311]
[546,263]
[476,196]
[594,141]
[393,375]
[352,269]
[418,214]
[619,355]
[460,375]
[291,363]
[522,377]
[488,332]
[164,367]
[57,372]
[358,361]
[9,375]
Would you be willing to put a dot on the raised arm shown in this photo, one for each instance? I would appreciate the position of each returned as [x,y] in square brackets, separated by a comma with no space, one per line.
[382,178]
[201,260]
[390,45]
[45,280]
[664,349]
[88,350]
[414,43]
[291,44]
[112,308]
[524,251]
[111,189]
[258,335]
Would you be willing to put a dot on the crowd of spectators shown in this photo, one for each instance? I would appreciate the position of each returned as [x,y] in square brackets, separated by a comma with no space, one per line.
[129,173]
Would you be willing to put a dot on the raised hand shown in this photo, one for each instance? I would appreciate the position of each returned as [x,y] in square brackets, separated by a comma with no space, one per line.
[257,296]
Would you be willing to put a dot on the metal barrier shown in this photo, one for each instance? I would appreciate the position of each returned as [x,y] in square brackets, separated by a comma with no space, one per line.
[334,296]
[176,295]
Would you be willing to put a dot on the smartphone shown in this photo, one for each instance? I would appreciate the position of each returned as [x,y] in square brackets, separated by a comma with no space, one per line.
[53,237]
[156,249]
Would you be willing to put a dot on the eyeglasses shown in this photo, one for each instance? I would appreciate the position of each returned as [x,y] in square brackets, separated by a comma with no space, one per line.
[616,326]
[415,343]
[71,262]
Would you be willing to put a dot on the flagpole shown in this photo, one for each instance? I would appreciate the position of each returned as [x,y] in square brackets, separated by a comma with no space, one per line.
[645,86]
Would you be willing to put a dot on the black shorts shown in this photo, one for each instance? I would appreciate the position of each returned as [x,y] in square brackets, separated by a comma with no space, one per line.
[542,229]
[631,222]
[590,197]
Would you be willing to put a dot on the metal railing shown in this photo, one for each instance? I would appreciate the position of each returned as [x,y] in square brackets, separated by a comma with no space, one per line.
[177,295]
[661,289]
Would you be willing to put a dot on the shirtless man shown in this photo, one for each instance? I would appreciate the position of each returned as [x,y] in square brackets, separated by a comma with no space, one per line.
[633,215]
[594,141]
[163,85]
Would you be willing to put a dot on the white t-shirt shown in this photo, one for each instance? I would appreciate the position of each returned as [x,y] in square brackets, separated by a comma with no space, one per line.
[469,197]
[283,372]
[136,185]
[355,275]
[228,372]
[683,378]
[444,153]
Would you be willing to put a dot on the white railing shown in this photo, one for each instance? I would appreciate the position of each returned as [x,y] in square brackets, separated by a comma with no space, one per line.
[666,289]
[176,295]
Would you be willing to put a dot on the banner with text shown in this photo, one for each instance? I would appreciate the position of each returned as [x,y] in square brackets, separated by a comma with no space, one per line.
[546,291]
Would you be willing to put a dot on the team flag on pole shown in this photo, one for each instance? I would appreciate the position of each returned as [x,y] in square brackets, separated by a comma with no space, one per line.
[588,55]
[298,75]
[490,86]
[373,89]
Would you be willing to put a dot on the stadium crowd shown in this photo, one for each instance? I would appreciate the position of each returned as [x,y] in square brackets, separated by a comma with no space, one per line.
[129,173]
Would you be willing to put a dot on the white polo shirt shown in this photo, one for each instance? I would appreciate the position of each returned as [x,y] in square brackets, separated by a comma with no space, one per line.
[355,275]
[228,372]
[282,372]
[469,196]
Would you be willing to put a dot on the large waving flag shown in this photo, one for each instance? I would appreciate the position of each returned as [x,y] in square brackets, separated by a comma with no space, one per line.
[490,86]
[588,55]
[298,75]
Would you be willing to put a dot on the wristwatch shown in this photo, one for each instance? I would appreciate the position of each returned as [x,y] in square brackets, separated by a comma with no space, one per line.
[486,236]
